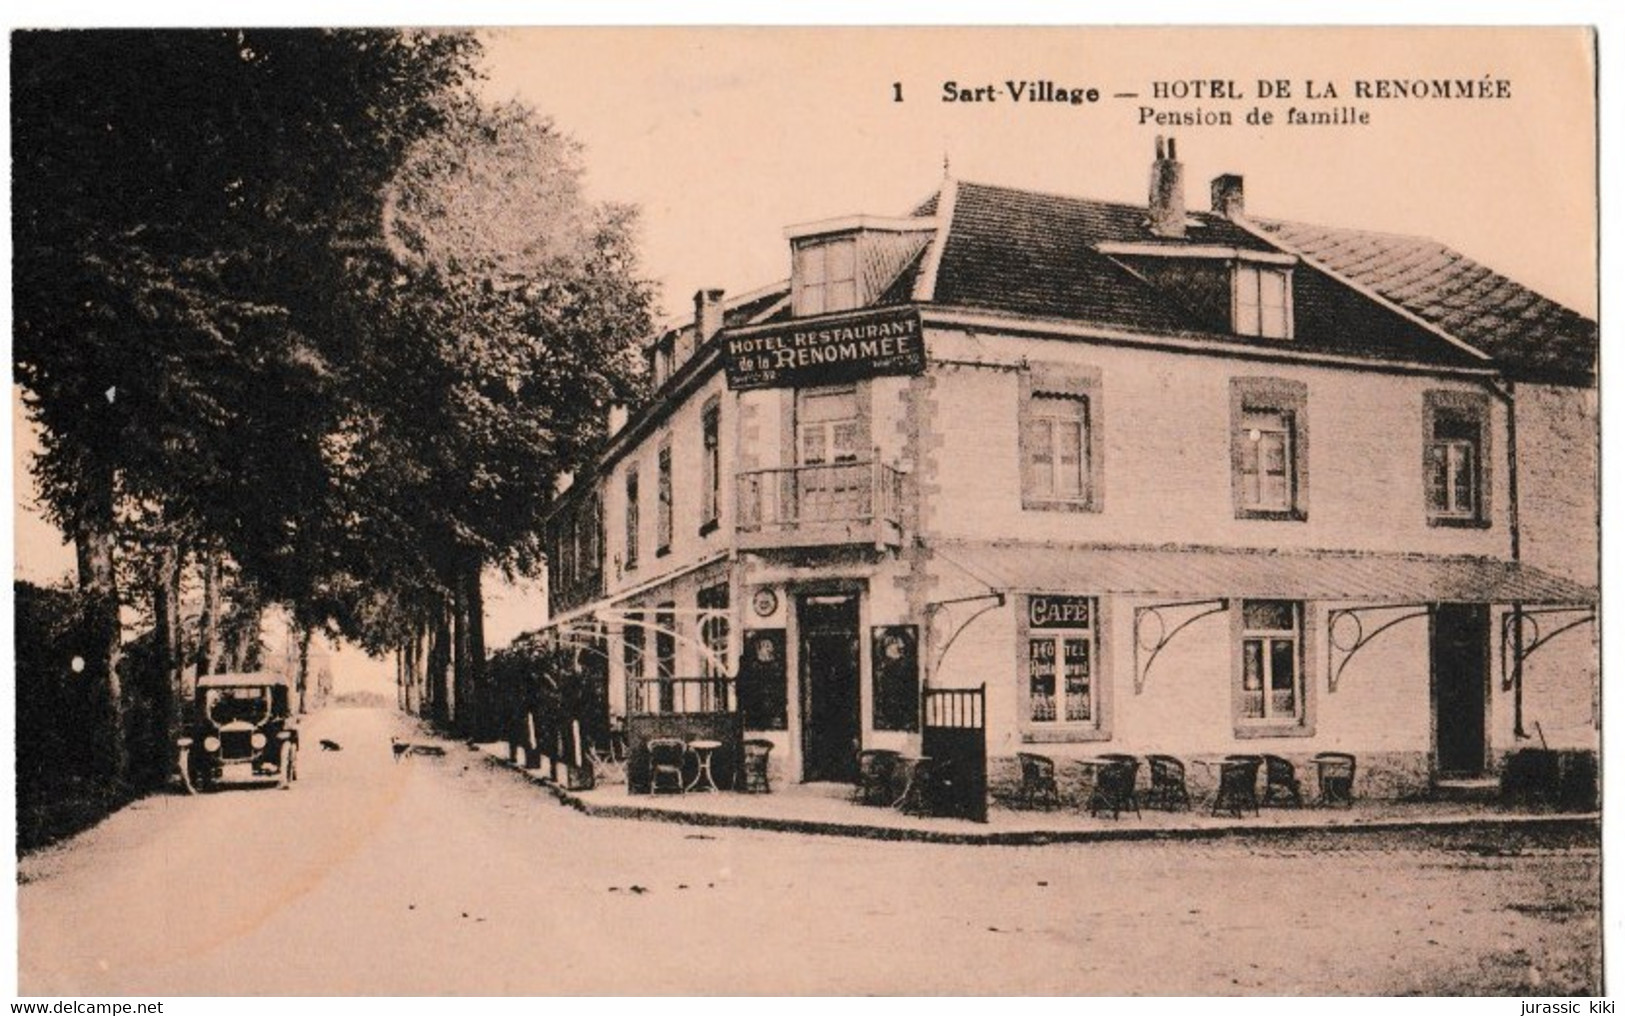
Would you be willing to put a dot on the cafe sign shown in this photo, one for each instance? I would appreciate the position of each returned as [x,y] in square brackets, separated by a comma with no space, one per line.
[1058,611]
[805,353]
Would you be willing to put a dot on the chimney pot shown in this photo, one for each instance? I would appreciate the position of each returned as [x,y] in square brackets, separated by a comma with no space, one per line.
[1228,196]
[707,314]
[1167,204]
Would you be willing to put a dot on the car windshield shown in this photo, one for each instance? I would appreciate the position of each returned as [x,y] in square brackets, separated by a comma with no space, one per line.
[229,705]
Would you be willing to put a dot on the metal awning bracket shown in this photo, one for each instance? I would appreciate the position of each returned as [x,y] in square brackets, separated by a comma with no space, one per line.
[1152,631]
[1346,632]
[1514,652]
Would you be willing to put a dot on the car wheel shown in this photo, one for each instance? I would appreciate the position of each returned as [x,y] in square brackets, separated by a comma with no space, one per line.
[290,762]
[185,766]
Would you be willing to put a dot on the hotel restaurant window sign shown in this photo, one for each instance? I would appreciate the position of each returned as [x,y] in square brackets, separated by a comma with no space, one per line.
[844,348]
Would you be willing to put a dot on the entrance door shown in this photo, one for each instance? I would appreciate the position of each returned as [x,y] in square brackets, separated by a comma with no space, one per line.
[1461,638]
[830,720]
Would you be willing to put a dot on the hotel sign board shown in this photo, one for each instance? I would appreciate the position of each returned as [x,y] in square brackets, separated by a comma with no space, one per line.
[830,350]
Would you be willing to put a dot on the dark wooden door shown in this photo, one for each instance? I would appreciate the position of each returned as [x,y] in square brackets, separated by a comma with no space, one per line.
[830,713]
[1461,637]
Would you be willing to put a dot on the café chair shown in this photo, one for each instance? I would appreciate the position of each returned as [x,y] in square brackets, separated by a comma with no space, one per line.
[1238,785]
[1281,787]
[1168,790]
[877,777]
[753,766]
[1114,786]
[1335,773]
[666,758]
[1038,786]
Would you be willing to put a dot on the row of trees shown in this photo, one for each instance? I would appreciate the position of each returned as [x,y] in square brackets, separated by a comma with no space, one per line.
[301,318]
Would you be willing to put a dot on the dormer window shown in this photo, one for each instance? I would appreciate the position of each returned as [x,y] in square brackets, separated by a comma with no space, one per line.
[1261,301]
[826,275]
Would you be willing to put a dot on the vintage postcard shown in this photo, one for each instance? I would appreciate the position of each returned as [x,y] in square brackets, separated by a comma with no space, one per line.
[951,511]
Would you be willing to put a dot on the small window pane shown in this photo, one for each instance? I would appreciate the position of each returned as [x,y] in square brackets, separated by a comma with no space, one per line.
[812,264]
[1252,679]
[1041,678]
[1268,615]
[842,261]
[1077,679]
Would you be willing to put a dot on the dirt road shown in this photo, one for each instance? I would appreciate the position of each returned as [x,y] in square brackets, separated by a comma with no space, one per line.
[447,875]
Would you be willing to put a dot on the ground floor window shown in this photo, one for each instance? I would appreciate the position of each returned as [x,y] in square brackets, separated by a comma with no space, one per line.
[1060,676]
[1271,667]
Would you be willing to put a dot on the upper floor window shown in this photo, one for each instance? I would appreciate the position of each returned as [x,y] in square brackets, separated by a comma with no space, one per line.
[1054,449]
[825,274]
[828,428]
[1266,461]
[1059,428]
[1456,460]
[663,507]
[1269,448]
[632,534]
[1261,301]
[711,481]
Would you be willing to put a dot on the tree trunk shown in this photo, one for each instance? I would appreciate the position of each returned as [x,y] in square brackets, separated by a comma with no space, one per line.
[479,697]
[462,698]
[304,665]
[439,675]
[208,624]
[166,610]
[99,645]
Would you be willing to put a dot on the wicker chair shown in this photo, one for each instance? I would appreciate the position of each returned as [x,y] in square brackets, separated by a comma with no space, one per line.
[1114,785]
[1335,772]
[1168,790]
[1238,785]
[666,758]
[1281,786]
[877,777]
[1038,786]
[753,766]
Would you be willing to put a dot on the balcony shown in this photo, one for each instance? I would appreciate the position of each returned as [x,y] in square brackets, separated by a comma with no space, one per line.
[821,506]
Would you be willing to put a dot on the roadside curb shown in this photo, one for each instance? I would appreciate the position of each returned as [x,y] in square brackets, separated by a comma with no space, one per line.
[1558,823]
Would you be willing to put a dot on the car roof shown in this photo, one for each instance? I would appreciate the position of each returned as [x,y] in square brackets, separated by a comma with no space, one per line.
[249,680]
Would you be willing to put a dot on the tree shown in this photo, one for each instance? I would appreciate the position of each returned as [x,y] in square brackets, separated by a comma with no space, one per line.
[184,205]
[515,307]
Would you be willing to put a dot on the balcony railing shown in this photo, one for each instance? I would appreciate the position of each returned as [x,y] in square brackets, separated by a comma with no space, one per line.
[843,502]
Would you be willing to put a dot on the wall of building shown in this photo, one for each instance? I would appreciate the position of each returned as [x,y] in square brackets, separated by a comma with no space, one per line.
[1167,472]
[1558,472]
[689,545]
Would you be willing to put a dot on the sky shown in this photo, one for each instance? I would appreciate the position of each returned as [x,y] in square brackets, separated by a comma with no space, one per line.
[723,137]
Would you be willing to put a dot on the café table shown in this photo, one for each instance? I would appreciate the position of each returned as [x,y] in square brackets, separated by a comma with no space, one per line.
[703,751]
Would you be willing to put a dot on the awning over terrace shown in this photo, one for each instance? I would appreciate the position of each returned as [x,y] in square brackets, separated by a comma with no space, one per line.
[1194,572]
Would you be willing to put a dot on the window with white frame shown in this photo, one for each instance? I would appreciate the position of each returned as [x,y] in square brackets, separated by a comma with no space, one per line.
[1267,461]
[1271,668]
[826,276]
[1061,685]
[1055,449]
[1456,460]
[828,428]
[1261,299]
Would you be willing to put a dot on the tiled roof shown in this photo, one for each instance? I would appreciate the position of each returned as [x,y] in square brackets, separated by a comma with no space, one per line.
[1036,254]
[1531,335]
[1217,572]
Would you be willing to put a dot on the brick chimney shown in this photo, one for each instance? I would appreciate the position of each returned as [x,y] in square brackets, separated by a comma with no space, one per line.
[1167,206]
[707,314]
[1227,196]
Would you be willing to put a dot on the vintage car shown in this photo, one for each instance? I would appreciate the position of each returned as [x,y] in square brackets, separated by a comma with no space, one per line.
[242,730]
